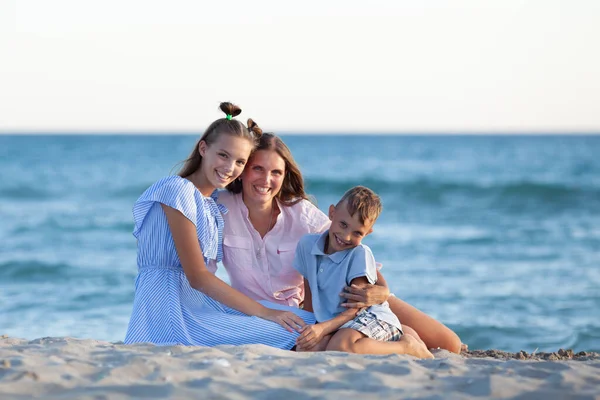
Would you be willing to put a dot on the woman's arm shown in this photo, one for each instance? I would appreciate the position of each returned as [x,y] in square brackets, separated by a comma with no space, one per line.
[363,294]
[200,278]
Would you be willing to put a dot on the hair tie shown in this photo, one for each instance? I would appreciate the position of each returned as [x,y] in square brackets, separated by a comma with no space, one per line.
[229,116]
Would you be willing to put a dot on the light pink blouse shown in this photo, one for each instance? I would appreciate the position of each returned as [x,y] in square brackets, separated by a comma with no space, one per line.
[262,268]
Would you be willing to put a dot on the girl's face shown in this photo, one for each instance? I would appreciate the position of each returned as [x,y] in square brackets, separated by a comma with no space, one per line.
[223,160]
[263,177]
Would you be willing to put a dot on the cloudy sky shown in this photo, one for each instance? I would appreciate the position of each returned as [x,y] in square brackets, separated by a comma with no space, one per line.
[310,66]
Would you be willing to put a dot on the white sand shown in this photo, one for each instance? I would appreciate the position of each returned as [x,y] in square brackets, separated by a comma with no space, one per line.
[69,368]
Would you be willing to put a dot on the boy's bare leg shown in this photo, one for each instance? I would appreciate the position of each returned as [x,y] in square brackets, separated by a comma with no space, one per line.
[352,341]
[321,346]
[410,331]
[432,332]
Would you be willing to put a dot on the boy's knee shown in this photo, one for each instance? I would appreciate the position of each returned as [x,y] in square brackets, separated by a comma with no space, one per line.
[344,340]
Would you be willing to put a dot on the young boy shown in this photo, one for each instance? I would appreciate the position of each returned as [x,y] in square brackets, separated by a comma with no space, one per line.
[335,259]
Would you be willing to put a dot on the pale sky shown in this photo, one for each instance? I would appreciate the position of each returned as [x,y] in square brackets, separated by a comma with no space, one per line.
[310,66]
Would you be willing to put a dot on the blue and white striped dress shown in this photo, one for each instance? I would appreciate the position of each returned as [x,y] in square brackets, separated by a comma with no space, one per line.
[166,309]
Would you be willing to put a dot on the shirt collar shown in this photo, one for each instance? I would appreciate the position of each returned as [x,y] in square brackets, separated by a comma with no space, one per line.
[318,249]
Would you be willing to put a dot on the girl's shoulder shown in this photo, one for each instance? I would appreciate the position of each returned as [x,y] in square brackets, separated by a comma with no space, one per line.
[170,186]
[173,191]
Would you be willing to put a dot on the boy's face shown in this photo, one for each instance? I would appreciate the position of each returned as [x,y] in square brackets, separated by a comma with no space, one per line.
[346,231]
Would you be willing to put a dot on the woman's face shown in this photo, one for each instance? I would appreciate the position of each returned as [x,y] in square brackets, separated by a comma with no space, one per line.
[263,177]
[223,160]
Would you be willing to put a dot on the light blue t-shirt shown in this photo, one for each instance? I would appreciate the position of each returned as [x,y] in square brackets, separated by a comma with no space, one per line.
[327,274]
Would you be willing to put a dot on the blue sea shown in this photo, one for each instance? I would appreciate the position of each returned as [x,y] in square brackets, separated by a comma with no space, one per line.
[496,236]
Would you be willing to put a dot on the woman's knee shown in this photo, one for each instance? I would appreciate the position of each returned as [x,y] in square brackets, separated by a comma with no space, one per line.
[450,341]
[432,332]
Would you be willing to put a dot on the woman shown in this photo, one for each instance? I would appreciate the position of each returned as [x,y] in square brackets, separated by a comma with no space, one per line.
[268,213]
[178,225]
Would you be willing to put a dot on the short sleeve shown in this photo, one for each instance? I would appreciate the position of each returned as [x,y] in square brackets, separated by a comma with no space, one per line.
[299,262]
[172,191]
[362,263]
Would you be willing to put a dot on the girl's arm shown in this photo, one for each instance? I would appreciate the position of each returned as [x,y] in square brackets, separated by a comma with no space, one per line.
[200,278]
[364,294]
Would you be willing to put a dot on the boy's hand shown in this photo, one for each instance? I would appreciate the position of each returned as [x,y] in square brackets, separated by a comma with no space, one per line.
[310,336]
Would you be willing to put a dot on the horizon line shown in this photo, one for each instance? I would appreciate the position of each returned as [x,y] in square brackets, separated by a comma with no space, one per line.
[116,132]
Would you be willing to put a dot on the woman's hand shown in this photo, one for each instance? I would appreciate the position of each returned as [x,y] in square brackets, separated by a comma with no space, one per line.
[290,321]
[364,296]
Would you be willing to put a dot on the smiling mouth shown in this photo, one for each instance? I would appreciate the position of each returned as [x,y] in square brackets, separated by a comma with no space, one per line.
[339,241]
[223,177]
[262,190]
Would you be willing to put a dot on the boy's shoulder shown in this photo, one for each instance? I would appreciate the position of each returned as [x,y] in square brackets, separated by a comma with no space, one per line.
[361,263]
[362,250]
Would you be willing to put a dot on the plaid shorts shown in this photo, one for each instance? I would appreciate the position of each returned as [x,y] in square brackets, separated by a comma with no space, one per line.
[367,323]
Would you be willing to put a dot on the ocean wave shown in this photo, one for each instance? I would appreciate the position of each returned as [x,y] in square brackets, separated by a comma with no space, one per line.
[22,271]
[25,193]
[129,192]
[70,225]
[501,194]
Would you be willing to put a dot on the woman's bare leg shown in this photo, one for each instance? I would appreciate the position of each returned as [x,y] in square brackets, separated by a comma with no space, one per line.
[432,332]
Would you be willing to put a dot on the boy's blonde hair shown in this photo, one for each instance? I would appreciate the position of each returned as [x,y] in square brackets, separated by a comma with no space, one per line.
[363,201]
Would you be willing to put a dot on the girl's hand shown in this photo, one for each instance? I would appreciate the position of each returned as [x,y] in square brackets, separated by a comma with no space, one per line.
[364,296]
[310,336]
[290,321]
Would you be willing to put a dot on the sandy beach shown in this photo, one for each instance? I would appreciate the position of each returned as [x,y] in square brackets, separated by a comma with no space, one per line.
[68,368]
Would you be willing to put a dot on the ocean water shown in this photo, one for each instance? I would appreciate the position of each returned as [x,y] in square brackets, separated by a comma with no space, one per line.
[496,236]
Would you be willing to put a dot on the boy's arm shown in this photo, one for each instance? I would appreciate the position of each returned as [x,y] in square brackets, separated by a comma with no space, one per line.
[307,297]
[334,324]
[365,294]
[311,335]
[369,291]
